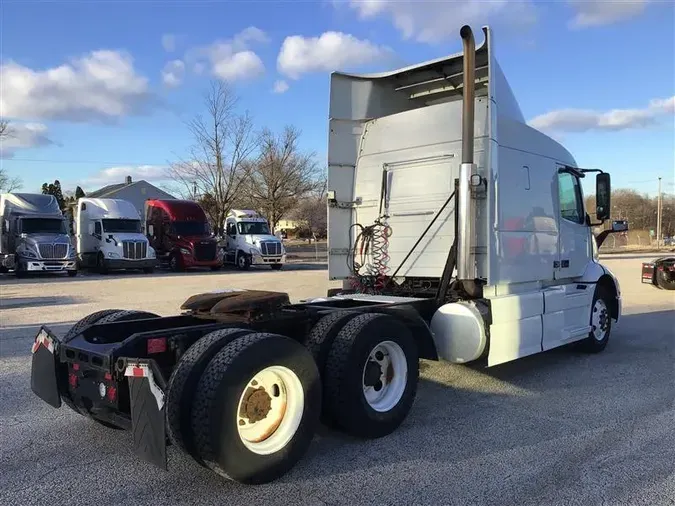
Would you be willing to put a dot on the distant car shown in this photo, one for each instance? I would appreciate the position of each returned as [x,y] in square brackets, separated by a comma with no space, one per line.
[660,273]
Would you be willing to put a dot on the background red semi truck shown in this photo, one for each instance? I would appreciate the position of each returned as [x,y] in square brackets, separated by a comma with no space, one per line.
[181,234]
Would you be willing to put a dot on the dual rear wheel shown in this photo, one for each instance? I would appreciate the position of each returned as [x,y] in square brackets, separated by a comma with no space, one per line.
[247,404]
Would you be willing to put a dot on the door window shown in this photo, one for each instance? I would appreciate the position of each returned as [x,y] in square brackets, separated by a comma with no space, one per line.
[569,193]
[231,229]
[97,228]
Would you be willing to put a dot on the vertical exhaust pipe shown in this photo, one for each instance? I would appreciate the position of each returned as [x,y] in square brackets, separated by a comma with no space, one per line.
[465,229]
[469,92]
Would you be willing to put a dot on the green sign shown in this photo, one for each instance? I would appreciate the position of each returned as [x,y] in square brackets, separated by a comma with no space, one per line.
[651,232]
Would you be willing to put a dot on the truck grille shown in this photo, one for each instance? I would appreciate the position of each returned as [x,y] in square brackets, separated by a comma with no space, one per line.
[204,252]
[134,250]
[270,248]
[53,251]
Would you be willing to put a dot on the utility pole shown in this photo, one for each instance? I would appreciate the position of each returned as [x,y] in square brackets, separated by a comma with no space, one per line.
[658,217]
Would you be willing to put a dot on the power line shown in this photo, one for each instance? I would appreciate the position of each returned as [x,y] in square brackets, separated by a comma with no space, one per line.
[91,162]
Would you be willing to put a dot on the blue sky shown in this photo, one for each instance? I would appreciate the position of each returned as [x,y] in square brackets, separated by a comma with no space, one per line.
[83,88]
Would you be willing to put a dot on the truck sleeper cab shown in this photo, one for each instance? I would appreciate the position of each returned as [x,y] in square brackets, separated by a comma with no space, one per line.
[248,241]
[180,233]
[450,266]
[109,236]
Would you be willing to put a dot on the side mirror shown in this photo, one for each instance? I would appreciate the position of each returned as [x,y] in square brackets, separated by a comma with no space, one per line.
[603,196]
[151,230]
[619,226]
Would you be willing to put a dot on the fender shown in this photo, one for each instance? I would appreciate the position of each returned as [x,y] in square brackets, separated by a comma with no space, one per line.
[598,274]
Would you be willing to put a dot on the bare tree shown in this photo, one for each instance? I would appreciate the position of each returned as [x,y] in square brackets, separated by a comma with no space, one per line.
[312,211]
[282,175]
[7,183]
[220,157]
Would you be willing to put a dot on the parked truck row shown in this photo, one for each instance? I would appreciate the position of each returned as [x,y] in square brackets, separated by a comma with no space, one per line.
[110,234]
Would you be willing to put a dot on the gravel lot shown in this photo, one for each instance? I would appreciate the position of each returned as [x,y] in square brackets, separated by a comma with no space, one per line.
[557,428]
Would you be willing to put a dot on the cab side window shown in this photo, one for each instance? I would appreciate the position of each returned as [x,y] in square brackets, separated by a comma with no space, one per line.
[569,194]
[231,229]
[97,228]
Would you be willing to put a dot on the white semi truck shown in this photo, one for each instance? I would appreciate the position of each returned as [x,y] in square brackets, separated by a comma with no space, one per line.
[460,234]
[249,241]
[109,236]
[34,237]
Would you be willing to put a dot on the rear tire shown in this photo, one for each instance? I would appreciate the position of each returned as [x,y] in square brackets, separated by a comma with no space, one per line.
[663,282]
[183,383]
[601,322]
[371,375]
[319,343]
[263,385]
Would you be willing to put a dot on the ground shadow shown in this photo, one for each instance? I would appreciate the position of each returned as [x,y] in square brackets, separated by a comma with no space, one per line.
[37,302]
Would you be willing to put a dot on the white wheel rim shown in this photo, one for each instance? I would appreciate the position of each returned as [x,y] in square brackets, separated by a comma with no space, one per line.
[242,261]
[385,376]
[599,320]
[270,410]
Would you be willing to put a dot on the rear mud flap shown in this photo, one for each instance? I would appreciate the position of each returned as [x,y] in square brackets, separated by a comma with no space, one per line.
[147,414]
[43,375]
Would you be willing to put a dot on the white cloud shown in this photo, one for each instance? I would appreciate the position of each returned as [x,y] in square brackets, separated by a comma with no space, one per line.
[102,85]
[233,59]
[280,86]
[113,175]
[330,51]
[23,136]
[582,120]
[604,12]
[173,73]
[435,21]
[169,42]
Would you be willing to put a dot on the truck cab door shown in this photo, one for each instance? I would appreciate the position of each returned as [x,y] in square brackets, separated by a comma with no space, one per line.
[574,248]
[231,240]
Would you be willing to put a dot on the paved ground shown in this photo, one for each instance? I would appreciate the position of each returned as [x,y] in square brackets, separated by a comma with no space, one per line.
[558,428]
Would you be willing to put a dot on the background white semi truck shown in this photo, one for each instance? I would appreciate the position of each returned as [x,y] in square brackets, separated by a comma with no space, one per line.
[34,235]
[461,235]
[109,236]
[249,241]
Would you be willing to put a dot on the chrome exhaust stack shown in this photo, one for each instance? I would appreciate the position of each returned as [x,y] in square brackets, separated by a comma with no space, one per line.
[465,229]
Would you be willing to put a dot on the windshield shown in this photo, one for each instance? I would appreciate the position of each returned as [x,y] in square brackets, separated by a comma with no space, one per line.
[122,226]
[190,228]
[253,227]
[43,226]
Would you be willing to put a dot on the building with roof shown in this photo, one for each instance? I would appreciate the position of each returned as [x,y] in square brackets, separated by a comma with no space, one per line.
[136,192]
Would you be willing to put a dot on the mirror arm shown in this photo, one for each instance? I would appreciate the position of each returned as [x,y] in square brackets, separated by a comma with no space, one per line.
[585,171]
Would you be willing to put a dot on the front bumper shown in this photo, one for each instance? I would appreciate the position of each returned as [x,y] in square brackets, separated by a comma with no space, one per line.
[189,261]
[267,260]
[130,396]
[117,263]
[33,265]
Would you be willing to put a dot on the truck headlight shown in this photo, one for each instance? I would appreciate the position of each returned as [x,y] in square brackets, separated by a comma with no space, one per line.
[254,252]
[27,253]
[185,251]
[151,253]
[112,254]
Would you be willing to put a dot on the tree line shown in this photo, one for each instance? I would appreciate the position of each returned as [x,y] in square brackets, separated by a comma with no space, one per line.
[640,210]
[231,164]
